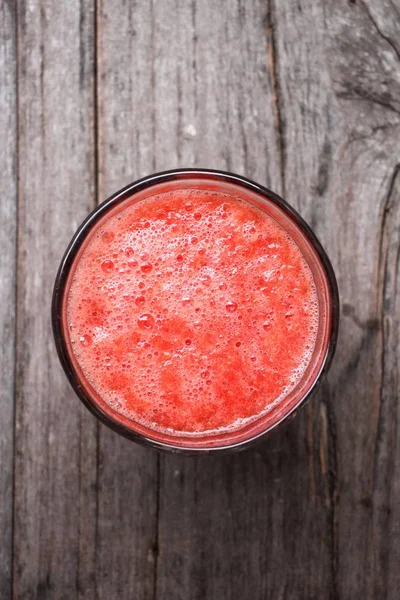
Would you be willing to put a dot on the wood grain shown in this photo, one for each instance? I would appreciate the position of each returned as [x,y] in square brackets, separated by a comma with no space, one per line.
[127,484]
[302,96]
[385,526]
[55,438]
[226,525]
[342,146]
[368,147]
[8,217]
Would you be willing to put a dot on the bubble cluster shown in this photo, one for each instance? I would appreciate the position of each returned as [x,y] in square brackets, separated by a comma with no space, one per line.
[191,312]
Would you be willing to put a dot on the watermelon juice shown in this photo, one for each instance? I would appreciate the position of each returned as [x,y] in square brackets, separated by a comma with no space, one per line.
[195,313]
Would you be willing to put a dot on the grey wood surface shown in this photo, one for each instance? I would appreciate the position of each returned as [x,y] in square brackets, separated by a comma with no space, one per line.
[8,217]
[55,455]
[301,95]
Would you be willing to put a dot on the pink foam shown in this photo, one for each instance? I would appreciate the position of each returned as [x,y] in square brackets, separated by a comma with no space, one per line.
[192,311]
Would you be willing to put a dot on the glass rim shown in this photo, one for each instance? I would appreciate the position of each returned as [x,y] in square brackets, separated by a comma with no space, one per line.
[78,240]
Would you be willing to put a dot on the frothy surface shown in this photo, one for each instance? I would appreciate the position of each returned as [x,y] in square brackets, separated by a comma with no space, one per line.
[191,312]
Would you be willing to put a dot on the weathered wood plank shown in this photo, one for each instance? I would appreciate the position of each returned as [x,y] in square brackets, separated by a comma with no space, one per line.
[304,97]
[55,437]
[386,475]
[256,525]
[338,73]
[367,90]
[8,216]
[127,485]
[211,89]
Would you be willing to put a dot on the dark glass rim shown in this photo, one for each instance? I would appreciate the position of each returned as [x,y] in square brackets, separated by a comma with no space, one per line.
[119,197]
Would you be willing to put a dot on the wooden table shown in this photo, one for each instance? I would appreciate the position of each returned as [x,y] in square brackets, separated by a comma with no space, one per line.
[300,95]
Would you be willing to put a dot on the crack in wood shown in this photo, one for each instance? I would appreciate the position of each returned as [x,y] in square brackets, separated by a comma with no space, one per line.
[383,466]
[277,97]
[97,509]
[333,490]
[156,546]
[12,575]
[153,81]
[194,69]
[96,103]
[78,550]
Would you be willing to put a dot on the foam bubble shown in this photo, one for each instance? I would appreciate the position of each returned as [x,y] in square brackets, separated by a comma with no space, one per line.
[195,361]
[231,306]
[146,321]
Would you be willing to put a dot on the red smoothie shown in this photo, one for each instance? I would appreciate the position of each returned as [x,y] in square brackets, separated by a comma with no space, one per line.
[191,313]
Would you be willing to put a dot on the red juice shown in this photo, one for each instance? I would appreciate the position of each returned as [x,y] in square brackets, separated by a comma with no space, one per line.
[191,313]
